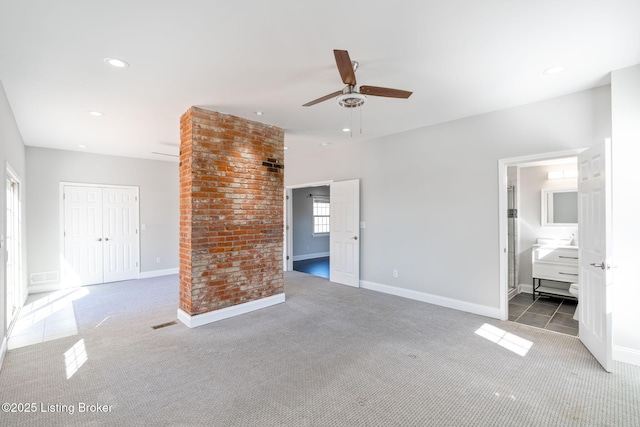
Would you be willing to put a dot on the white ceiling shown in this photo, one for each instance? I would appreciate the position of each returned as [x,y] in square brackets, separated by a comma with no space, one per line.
[459,57]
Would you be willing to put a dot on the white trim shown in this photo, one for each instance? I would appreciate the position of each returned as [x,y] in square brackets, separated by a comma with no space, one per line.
[469,307]
[626,355]
[49,287]
[225,313]
[158,273]
[310,256]
[312,184]
[526,288]
[502,216]
[22,290]
[3,351]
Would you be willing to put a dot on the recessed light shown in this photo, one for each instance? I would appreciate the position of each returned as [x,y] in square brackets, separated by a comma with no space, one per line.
[553,70]
[346,130]
[324,144]
[82,146]
[259,113]
[95,113]
[117,63]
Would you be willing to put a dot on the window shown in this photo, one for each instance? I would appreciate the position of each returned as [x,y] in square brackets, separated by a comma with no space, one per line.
[320,215]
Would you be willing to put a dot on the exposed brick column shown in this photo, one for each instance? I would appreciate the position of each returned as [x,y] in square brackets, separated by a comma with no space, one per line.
[231,215]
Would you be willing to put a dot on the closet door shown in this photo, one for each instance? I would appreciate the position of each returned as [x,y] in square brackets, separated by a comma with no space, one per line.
[120,233]
[101,241]
[82,235]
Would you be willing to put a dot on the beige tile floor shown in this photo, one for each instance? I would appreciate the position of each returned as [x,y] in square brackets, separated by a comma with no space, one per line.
[44,317]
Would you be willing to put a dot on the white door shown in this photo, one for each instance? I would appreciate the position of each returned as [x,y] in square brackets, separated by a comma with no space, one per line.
[594,207]
[83,235]
[120,233]
[344,238]
[100,234]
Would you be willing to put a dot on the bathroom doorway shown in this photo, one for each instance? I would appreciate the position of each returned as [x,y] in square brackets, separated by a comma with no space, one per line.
[522,228]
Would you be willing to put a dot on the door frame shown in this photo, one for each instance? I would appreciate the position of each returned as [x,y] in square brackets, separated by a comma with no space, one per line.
[503,220]
[61,186]
[19,292]
[288,220]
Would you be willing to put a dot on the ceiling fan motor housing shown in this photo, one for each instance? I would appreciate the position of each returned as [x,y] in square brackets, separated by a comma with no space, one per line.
[350,98]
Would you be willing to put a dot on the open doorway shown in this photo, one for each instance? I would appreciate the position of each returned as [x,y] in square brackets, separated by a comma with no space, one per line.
[539,262]
[310,229]
[344,223]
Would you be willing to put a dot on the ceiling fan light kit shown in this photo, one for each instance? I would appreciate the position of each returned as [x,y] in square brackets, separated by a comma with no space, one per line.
[350,96]
[351,100]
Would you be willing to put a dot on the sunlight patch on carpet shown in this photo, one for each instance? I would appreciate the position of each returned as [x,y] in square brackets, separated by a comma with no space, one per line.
[505,339]
[75,357]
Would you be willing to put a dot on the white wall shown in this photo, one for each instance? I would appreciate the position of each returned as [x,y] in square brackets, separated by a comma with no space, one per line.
[625,99]
[429,197]
[305,244]
[159,198]
[12,153]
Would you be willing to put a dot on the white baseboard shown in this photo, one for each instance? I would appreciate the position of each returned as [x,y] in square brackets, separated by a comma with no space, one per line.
[526,288]
[310,256]
[48,287]
[626,355]
[158,273]
[3,351]
[469,307]
[225,313]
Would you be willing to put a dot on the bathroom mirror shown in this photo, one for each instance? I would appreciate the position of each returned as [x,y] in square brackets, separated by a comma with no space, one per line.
[560,207]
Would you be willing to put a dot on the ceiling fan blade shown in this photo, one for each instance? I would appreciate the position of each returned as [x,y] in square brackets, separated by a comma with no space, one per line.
[324,98]
[384,91]
[345,67]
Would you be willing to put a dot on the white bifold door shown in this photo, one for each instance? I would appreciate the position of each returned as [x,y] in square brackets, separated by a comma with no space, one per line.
[101,242]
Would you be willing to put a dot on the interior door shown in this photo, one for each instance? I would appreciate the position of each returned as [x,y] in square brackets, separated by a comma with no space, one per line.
[101,241]
[120,234]
[594,207]
[344,238]
[83,235]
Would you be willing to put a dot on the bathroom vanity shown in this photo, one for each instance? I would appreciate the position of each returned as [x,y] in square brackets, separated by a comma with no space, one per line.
[554,262]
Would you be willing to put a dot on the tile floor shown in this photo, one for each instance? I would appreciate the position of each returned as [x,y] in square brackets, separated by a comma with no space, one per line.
[45,317]
[546,312]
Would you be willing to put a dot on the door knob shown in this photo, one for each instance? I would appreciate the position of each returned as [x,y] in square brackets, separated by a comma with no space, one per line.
[99,239]
[106,239]
[602,265]
[355,237]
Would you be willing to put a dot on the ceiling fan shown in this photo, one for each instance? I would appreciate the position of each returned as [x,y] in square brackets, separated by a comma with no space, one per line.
[350,96]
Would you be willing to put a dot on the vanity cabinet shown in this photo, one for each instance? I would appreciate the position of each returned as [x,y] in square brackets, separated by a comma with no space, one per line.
[557,263]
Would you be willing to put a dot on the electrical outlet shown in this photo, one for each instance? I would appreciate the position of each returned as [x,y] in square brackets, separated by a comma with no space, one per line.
[394,273]
[158,260]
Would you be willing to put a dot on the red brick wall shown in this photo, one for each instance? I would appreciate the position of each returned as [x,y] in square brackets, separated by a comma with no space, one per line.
[231,211]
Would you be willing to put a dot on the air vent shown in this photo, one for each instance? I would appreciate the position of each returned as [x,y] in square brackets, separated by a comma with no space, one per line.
[164,325]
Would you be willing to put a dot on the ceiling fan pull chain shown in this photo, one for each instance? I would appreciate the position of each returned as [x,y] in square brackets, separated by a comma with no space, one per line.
[351,127]
[361,120]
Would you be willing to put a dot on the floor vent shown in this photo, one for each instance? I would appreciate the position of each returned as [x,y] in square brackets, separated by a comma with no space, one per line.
[164,325]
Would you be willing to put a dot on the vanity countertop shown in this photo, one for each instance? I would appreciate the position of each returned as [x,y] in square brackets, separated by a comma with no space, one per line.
[552,245]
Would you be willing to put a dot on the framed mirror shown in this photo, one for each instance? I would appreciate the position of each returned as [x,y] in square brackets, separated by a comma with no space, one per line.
[560,207]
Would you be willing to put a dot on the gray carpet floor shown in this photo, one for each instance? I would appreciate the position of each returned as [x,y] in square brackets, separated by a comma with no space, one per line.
[329,356]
